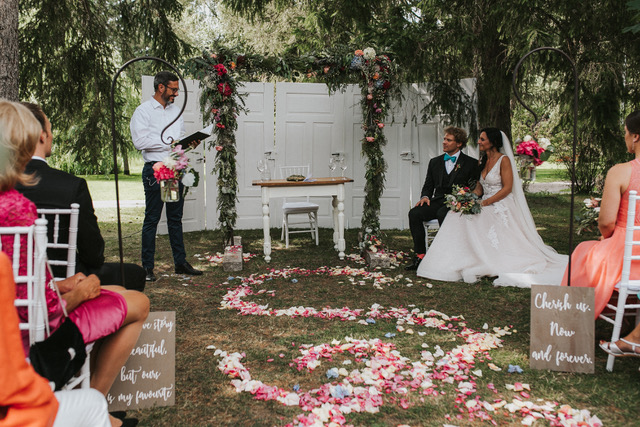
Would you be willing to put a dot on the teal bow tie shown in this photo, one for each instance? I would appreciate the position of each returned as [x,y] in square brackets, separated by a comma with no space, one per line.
[448,157]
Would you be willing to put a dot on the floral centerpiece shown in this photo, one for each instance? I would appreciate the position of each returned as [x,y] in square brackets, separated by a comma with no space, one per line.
[588,218]
[463,200]
[531,154]
[173,169]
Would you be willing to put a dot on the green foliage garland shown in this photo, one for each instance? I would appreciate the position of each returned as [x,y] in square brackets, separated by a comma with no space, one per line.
[221,102]
[378,72]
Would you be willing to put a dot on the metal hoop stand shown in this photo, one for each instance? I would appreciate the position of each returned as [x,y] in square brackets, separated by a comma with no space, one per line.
[114,145]
[575,127]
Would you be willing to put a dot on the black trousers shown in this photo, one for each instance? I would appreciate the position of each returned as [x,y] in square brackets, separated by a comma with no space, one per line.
[109,274]
[419,214]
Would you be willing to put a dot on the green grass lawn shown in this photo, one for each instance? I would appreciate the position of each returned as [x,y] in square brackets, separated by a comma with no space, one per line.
[206,397]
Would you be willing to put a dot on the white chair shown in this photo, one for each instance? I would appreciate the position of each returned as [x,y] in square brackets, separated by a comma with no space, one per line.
[34,277]
[297,208]
[53,215]
[430,230]
[83,377]
[626,288]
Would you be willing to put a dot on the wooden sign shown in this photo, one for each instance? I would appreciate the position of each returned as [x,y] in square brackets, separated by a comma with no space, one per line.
[562,328]
[148,377]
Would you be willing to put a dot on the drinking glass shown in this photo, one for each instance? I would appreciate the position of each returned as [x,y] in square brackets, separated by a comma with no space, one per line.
[332,165]
[343,165]
[262,168]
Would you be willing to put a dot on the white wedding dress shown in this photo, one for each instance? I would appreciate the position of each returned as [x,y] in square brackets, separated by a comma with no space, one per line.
[499,241]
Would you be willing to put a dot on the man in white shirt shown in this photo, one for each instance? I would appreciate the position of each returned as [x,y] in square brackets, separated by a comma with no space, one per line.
[147,124]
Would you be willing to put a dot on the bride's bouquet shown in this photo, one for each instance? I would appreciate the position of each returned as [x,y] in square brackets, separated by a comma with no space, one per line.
[463,200]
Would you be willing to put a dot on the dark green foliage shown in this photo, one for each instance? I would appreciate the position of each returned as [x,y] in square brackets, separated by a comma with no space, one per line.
[69,54]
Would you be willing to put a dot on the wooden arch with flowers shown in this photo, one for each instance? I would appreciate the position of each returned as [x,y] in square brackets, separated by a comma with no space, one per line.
[219,71]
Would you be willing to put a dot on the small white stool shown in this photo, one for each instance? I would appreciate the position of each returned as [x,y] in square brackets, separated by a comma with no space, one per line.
[430,230]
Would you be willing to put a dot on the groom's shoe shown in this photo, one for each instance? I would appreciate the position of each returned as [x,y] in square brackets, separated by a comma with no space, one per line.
[414,265]
[150,277]
[186,268]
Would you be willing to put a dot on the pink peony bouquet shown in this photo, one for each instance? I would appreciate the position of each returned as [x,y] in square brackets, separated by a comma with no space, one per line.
[176,166]
[529,147]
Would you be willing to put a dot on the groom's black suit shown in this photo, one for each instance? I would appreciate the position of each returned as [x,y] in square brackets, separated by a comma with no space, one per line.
[58,190]
[437,185]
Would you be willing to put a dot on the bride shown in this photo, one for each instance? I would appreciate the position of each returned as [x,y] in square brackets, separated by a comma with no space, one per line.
[502,239]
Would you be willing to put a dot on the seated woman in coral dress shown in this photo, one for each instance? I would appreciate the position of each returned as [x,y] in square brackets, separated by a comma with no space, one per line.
[110,314]
[598,264]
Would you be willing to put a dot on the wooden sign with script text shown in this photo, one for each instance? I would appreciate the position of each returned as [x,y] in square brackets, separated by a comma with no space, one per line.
[148,377]
[562,328]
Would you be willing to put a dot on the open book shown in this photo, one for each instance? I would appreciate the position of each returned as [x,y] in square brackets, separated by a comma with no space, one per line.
[196,136]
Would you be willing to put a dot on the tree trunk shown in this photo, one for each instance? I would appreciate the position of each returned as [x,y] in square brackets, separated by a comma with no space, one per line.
[9,72]
[125,161]
[493,82]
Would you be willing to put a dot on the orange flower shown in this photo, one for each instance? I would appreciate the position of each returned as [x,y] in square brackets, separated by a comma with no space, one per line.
[233,65]
[376,76]
[359,52]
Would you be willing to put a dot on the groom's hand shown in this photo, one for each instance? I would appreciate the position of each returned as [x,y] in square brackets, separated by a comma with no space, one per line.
[423,201]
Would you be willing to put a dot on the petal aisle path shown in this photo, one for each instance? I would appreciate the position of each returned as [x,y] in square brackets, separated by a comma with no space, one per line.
[384,376]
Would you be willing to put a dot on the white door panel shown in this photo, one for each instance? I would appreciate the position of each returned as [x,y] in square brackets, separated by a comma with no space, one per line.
[254,137]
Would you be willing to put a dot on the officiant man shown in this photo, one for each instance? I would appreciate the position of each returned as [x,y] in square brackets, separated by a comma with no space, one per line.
[449,169]
[147,124]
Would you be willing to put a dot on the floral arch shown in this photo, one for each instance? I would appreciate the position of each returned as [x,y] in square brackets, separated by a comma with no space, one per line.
[219,70]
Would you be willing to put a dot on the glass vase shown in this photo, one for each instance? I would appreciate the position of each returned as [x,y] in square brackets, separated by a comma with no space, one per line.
[169,190]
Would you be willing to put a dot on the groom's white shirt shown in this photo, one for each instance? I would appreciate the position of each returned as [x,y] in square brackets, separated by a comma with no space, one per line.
[449,165]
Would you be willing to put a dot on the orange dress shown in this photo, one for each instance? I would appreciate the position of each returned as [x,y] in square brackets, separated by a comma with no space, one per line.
[598,263]
[26,399]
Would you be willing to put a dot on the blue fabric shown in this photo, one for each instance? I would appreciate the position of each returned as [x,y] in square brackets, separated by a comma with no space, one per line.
[448,157]
[152,213]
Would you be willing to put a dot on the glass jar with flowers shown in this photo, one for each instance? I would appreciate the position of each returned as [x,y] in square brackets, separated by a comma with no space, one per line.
[529,155]
[173,170]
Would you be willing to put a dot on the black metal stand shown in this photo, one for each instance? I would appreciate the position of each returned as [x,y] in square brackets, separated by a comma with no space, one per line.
[575,135]
[115,148]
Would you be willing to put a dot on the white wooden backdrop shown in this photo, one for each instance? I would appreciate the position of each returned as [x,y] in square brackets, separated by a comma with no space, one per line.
[300,123]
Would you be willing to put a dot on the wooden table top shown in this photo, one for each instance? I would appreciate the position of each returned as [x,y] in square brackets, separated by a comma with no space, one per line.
[315,181]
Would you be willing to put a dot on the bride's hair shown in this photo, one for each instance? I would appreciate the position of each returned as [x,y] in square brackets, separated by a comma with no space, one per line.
[633,122]
[495,137]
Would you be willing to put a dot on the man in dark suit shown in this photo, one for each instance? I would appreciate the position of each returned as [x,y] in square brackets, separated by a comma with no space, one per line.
[449,169]
[58,190]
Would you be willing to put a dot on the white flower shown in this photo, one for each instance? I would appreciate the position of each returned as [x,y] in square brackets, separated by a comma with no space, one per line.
[169,162]
[528,138]
[544,143]
[188,179]
[369,53]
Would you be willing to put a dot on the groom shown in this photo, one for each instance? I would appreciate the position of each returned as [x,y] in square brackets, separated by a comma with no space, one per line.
[449,169]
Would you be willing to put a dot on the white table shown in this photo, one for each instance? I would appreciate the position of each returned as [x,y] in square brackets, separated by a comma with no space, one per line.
[276,188]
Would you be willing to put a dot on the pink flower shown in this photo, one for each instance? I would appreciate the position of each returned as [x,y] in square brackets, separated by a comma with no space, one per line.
[370,139]
[380,125]
[218,147]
